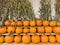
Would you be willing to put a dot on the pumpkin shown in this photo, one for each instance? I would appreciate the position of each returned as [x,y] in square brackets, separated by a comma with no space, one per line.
[13,23]
[17,39]
[56,29]
[1,39]
[3,30]
[35,39]
[40,29]
[26,23]
[48,29]
[44,39]
[11,29]
[58,38]
[45,23]
[52,39]
[39,22]
[19,23]
[19,30]
[7,23]
[9,39]
[26,39]
[58,23]
[53,23]
[25,30]
[32,29]
[32,23]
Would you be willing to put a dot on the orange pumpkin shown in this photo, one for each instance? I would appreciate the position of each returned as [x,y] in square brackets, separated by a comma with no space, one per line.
[1,39]
[45,23]
[56,30]
[53,23]
[19,30]
[58,38]
[48,29]
[26,23]
[17,39]
[32,23]
[52,39]
[19,23]
[26,39]
[39,22]
[44,39]
[9,39]
[40,29]
[3,30]
[25,30]
[11,29]
[58,23]
[35,39]
[7,23]
[13,23]
[32,29]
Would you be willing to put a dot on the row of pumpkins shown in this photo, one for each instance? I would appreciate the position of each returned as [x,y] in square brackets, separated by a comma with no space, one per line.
[28,39]
[32,23]
[39,29]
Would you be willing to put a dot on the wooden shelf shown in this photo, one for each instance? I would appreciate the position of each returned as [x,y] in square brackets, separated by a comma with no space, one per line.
[30,44]
[32,34]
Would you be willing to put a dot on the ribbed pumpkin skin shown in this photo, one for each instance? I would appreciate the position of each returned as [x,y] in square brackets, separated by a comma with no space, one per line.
[1,39]
[26,23]
[58,38]
[48,29]
[9,39]
[19,30]
[52,39]
[3,30]
[40,29]
[32,23]
[35,39]
[26,39]
[44,39]
[17,39]
[7,23]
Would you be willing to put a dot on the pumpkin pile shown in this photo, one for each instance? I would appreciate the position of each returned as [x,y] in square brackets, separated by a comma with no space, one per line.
[37,26]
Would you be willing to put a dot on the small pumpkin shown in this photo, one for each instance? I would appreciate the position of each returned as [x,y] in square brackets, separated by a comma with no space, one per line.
[58,38]
[19,23]
[45,23]
[17,39]
[11,29]
[9,39]
[52,39]
[26,23]
[32,23]
[13,23]
[1,39]
[35,39]
[7,23]
[48,29]
[19,30]
[26,39]
[40,29]
[32,29]
[39,22]
[53,23]
[44,39]
[25,30]
[3,30]
[58,23]
[56,30]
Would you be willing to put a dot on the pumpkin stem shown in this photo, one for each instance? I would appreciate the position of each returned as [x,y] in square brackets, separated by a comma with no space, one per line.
[0,34]
[10,33]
